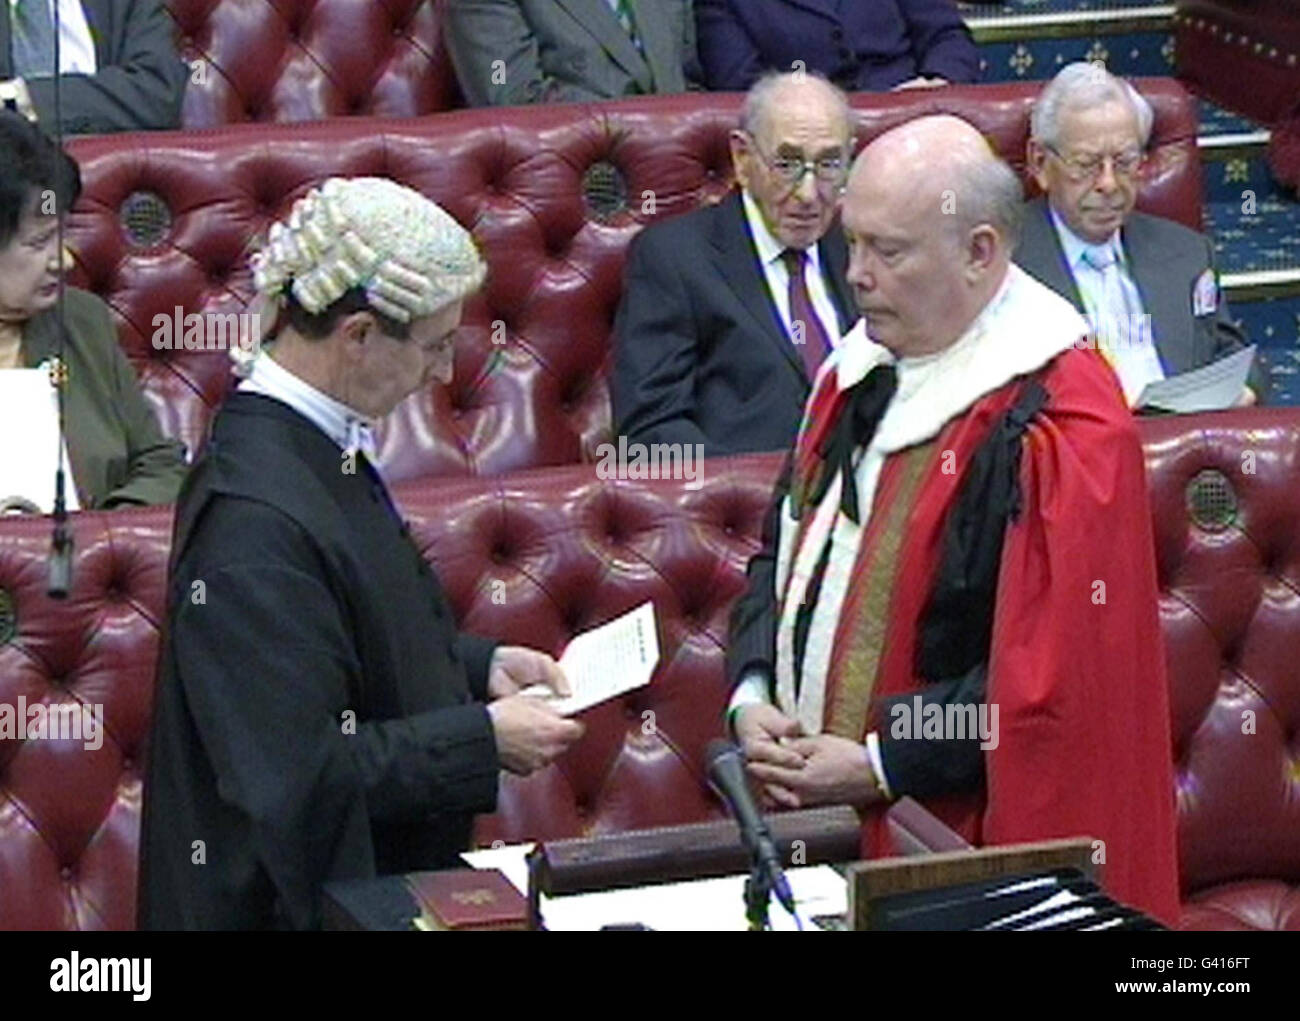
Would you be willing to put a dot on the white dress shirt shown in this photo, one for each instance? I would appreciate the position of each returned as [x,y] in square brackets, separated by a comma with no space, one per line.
[777,275]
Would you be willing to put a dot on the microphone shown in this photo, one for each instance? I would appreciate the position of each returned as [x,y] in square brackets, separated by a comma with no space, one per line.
[726,771]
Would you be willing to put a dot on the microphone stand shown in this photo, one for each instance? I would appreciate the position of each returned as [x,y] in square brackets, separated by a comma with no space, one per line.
[758,895]
[61,543]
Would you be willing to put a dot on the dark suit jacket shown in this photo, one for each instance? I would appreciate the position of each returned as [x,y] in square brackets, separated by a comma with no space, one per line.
[140,80]
[861,45]
[120,458]
[1166,259]
[568,50]
[700,353]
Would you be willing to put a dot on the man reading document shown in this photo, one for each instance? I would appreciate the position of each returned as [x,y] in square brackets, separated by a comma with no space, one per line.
[956,598]
[318,715]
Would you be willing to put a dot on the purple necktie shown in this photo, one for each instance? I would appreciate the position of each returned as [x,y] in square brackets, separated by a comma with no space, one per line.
[816,344]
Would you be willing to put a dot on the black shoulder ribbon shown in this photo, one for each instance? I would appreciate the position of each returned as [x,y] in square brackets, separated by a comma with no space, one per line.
[957,624]
[866,403]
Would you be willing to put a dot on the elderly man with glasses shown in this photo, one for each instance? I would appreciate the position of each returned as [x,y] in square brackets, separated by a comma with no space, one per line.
[728,311]
[1147,285]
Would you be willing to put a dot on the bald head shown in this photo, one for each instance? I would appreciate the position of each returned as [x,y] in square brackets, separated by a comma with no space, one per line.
[932,215]
[942,164]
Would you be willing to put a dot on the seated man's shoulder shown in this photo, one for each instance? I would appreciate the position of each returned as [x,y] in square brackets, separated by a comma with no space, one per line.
[663,236]
[1166,232]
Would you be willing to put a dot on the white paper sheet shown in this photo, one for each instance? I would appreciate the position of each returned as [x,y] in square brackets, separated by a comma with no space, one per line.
[607,661]
[1212,387]
[702,905]
[29,419]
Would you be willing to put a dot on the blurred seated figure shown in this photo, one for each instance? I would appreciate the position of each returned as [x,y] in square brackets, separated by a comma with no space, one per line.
[118,455]
[120,69]
[1148,285]
[861,47]
[512,52]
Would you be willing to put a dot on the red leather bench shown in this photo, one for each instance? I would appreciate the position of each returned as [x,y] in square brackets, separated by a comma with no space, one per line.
[553,195]
[307,60]
[573,550]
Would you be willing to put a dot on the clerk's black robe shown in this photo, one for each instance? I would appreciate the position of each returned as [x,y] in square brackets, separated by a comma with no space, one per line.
[318,715]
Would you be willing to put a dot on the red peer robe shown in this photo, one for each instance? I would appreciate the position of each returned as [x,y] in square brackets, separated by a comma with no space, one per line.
[1076,663]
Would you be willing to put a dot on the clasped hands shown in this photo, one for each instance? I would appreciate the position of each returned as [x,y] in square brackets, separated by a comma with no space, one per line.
[529,732]
[794,770]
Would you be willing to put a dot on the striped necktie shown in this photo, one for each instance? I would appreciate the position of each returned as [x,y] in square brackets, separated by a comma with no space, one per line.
[1110,308]
[32,39]
[623,11]
[809,331]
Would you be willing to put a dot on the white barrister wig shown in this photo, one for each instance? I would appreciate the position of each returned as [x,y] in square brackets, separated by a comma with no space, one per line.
[406,252]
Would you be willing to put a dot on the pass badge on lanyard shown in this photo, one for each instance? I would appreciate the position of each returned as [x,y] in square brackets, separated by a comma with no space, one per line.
[1205,295]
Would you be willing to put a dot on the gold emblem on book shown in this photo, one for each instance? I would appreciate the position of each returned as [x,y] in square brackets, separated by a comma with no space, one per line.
[476,898]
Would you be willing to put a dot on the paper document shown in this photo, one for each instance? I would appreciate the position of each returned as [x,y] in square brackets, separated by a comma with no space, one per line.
[607,661]
[29,415]
[701,905]
[1212,387]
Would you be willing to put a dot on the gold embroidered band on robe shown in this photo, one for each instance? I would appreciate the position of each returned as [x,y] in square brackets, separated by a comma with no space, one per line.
[860,633]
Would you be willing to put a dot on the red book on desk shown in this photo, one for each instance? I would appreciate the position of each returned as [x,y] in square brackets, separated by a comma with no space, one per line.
[467,899]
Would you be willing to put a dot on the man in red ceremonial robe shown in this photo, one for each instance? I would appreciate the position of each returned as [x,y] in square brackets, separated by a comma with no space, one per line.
[956,599]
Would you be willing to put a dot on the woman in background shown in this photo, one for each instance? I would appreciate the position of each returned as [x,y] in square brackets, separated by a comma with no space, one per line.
[118,455]
[860,45]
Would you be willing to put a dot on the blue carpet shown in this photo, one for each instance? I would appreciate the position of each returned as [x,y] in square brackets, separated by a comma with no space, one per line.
[1133,54]
[1217,121]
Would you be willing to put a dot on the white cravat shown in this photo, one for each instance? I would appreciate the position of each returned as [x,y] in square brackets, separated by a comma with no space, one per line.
[349,429]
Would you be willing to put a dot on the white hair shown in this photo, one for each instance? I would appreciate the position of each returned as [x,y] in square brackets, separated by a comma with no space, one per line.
[1084,84]
[761,95]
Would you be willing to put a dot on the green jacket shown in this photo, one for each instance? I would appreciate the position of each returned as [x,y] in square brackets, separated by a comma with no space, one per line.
[119,455]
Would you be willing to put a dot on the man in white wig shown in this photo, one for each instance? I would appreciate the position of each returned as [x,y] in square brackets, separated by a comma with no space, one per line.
[318,715]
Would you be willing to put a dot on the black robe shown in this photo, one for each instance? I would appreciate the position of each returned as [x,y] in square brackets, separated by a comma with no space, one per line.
[318,716]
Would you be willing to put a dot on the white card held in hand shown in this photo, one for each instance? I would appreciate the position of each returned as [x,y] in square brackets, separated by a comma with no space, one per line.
[614,658]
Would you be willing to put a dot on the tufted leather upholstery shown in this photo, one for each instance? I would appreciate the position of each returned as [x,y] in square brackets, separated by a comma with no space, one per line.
[1230,606]
[306,60]
[571,551]
[1242,54]
[538,395]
